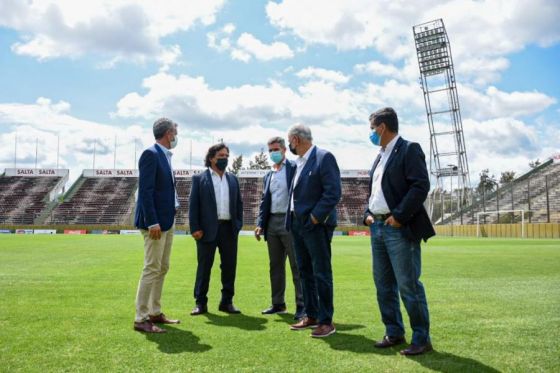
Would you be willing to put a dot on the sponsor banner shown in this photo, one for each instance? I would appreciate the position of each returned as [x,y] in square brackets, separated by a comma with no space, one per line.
[556,158]
[24,231]
[5,231]
[252,173]
[129,231]
[110,173]
[36,172]
[358,233]
[246,233]
[337,233]
[44,231]
[354,173]
[187,173]
[110,231]
[180,232]
[97,231]
[75,231]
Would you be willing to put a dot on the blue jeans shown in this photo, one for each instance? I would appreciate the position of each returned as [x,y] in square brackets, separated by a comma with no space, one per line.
[312,246]
[396,269]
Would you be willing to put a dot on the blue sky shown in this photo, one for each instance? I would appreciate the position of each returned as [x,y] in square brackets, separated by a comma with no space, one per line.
[247,70]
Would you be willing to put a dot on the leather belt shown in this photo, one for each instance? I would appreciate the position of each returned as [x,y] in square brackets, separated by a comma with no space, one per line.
[224,221]
[382,217]
[278,213]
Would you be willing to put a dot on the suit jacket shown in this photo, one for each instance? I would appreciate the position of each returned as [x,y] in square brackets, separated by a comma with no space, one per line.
[266,199]
[156,191]
[405,183]
[317,191]
[203,211]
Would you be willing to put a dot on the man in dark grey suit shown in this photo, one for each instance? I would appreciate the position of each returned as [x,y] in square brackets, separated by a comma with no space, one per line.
[271,225]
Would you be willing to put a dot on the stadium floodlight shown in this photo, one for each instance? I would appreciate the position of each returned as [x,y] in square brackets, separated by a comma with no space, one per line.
[437,78]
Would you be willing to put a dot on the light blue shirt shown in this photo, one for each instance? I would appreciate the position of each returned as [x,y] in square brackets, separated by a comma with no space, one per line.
[168,155]
[279,190]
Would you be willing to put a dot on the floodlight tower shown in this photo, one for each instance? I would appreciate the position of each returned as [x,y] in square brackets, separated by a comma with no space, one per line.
[448,155]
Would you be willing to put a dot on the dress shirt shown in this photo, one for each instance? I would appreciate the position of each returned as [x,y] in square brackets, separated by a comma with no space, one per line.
[221,191]
[279,190]
[377,202]
[300,162]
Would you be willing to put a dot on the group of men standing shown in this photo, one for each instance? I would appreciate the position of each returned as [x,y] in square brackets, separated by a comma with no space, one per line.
[297,218]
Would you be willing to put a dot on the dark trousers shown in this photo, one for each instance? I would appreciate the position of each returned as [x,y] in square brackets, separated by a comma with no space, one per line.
[226,242]
[313,255]
[279,242]
[396,270]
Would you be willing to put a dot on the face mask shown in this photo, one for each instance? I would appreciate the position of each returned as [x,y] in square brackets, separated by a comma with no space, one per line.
[221,163]
[375,138]
[293,150]
[276,156]
[173,143]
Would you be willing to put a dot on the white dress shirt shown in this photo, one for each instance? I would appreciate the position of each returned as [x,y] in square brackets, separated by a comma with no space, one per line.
[300,162]
[279,192]
[221,191]
[377,202]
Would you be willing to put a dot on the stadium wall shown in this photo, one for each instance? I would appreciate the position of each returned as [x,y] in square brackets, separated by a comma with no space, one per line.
[532,230]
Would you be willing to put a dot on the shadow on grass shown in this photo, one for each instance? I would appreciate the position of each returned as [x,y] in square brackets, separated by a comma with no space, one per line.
[240,321]
[177,341]
[354,343]
[446,362]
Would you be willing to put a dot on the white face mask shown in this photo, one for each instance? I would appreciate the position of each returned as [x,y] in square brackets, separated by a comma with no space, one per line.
[173,143]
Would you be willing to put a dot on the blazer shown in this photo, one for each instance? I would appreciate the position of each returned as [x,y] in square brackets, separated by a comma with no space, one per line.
[266,199]
[156,191]
[317,191]
[405,183]
[203,210]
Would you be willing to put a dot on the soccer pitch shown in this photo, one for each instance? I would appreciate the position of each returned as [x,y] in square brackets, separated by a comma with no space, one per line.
[67,304]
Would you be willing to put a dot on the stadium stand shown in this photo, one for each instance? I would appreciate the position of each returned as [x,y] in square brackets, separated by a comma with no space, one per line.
[104,197]
[537,192]
[25,193]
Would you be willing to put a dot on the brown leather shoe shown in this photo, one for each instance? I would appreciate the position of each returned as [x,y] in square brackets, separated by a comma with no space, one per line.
[323,330]
[388,341]
[306,322]
[413,349]
[228,308]
[161,319]
[199,310]
[148,327]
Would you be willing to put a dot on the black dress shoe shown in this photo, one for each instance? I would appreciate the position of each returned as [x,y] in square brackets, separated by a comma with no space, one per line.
[300,313]
[275,308]
[413,349]
[388,341]
[228,308]
[199,310]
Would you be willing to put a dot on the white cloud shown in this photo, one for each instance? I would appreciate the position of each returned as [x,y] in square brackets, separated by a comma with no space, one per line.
[116,30]
[325,75]
[261,51]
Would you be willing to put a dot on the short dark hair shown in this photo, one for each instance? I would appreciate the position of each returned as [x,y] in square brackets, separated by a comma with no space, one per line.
[387,115]
[212,153]
[161,126]
[277,140]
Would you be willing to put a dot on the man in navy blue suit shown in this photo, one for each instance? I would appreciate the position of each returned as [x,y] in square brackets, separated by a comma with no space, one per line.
[314,194]
[271,225]
[216,217]
[155,217]
[397,219]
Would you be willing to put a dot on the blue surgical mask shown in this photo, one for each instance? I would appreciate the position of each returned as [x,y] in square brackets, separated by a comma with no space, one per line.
[375,138]
[173,143]
[276,156]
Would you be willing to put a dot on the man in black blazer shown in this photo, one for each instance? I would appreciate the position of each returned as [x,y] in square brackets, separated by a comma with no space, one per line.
[314,194]
[395,213]
[271,224]
[216,217]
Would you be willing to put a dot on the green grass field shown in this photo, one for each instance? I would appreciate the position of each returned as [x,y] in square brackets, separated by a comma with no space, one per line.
[67,304]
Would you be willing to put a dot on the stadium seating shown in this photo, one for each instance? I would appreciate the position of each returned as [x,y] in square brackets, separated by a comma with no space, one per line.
[22,199]
[104,201]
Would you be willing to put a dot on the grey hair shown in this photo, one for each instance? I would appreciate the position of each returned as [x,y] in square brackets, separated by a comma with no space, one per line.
[301,131]
[161,126]
[277,140]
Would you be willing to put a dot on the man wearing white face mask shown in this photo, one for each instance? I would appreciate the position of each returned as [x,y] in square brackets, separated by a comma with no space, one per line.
[271,225]
[155,217]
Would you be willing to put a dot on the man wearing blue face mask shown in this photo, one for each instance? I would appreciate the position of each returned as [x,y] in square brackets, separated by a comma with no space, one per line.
[271,225]
[397,219]
[216,217]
